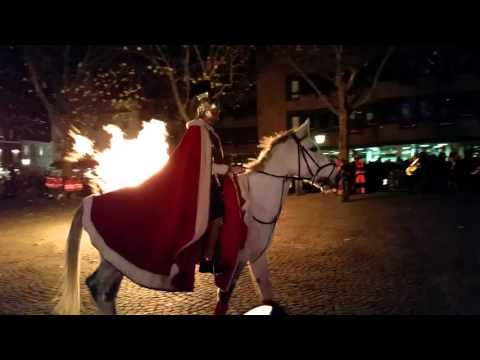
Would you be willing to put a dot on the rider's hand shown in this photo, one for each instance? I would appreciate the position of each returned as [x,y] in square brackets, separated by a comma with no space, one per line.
[236,169]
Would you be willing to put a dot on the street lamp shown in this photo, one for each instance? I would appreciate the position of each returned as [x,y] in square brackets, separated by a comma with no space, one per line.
[320,139]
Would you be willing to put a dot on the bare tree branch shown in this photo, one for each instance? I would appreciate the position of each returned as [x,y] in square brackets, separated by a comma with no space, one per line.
[217,58]
[200,60]
[339,84]
[110,56]
[32,70]
[192,65]
[230,83]
[312,84]
[80,67]
[351,79]
[338,57]
[217,50]
[375,80]
[187,75]
[66,64]
[151,58]
[163,55]
[176,95]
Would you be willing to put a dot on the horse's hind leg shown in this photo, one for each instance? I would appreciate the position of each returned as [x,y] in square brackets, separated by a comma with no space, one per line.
[104,284]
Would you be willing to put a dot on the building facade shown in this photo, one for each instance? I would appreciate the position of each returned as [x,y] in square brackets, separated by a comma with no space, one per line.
[399,121]
[27,156]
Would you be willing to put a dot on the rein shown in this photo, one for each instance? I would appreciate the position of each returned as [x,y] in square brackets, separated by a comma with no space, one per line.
[304,153]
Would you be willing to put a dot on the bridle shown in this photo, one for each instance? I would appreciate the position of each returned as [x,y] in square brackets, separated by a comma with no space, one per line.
[302,153]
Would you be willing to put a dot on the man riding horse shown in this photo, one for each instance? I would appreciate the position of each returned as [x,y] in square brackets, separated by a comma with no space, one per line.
[207,115]
[154,233]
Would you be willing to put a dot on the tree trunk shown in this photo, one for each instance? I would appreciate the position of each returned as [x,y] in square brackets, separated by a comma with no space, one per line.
[343,135]
[342,113]
[60,141]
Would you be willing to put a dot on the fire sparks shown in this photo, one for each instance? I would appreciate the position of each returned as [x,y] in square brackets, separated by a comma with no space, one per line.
[127,162]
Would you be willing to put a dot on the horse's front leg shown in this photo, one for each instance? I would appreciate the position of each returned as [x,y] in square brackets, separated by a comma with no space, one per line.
[261,276]
[223,297]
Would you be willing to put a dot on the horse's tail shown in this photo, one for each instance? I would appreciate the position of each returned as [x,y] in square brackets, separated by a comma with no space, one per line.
[69,301]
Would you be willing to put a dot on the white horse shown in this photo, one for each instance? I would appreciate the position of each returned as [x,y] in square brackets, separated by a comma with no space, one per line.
[289,155]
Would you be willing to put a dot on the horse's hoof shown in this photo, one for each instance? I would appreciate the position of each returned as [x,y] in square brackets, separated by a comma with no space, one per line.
[221,308]
[92,285]
[278,310]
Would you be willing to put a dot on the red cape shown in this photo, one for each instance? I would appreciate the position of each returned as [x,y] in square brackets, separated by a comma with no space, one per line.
[142,230]
[150,233]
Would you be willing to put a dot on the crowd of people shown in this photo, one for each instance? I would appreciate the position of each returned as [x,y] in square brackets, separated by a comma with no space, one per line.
[423,173]
[45,185]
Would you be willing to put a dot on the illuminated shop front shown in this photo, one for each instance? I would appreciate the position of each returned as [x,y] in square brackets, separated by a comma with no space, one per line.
[407,151]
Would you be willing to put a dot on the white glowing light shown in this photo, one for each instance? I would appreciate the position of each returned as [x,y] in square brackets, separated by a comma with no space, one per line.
[320,139]
[26,162]
[127,162]
[15,151]
[260,310]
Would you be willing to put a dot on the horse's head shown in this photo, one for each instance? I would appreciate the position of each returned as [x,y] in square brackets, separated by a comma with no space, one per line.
[305,159]
[294,154]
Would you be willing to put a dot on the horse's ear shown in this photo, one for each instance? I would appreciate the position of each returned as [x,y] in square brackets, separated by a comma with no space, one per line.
[303,130]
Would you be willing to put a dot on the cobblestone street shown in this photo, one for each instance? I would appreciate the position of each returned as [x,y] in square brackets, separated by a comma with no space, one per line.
[378,254]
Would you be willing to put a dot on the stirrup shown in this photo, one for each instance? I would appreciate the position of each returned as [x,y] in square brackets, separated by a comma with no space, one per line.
[206,266]
[209,267]
[218,269]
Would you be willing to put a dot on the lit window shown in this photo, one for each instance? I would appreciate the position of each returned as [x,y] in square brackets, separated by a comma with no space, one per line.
[295,86]
[40,151]
[294,89]
[26,150]
[15,152]
[26,162]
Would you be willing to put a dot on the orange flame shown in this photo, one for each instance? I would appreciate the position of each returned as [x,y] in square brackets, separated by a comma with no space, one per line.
[127,162]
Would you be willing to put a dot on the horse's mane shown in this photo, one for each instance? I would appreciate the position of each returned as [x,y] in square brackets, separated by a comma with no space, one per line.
[266,144]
